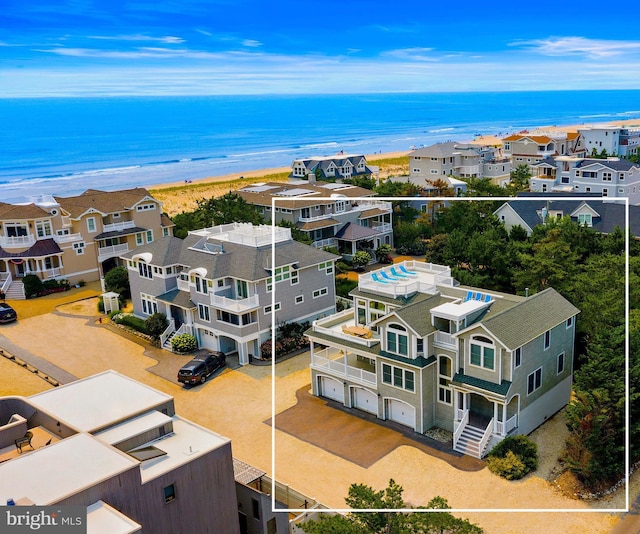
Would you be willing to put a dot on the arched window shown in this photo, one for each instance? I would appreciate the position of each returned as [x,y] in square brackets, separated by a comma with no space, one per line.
[482,352]
[445,375]
[397,339]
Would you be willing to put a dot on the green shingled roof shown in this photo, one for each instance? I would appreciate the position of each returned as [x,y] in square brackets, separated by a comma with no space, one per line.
[420,361]
[530,318]
[500,389]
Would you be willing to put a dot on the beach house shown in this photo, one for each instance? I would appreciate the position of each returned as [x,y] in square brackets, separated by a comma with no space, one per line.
[528,148]
[75,238]
[445,160]
[331,168]
[422,351]
[610,140]
[331,214]
[221,284]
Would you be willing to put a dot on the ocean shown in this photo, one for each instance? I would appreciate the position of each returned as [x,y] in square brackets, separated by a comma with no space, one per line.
[62,146]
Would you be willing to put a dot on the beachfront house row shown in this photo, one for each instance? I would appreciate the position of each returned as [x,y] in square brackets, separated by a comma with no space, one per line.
[220,285]
[331,168]
[602,216]
[331,214]
[528,148]
[611,177]
[75,238]
[444,160]
[424,352]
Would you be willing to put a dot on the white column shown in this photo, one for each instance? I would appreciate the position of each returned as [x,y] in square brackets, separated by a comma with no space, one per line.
[495,417]
[312,350]
[455,405]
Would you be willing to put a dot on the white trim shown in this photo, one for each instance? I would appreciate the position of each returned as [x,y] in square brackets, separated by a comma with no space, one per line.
[539,385]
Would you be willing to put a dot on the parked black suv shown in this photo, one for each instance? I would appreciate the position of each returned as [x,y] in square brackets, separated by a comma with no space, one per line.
[7,313]
[201,367]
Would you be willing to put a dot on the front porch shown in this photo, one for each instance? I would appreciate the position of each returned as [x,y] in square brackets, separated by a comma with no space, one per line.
[481,422]
[345,365]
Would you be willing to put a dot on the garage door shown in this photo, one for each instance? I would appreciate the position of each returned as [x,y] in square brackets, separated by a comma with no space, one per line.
[331,388]
[207,340]
[365,400]
[401,412]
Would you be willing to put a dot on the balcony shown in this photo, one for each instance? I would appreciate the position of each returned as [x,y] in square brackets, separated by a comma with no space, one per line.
[329,242]
[468,170]
[333,326]
[183,284]
[111,251]
[381,227]
[118,227]
[22,241]
[444,340]
[316,218]
[47,274]
[234,305]
[333,362]
[67,238]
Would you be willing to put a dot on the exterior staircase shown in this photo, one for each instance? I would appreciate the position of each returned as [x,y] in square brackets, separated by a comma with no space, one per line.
[471,440]
[167,342]
[15,291]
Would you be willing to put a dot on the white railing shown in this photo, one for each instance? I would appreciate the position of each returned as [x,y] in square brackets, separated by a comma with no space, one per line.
[235,305]
[18,241]
[183,285]
[115,227]
[113,250]
[315,218]
[460,427]
[47,274]
[468,169]
[383,227]
[368,342]
[459,414]
[485,438]
[330,242]
[6,280]
[337,368]
[399,289]
[167,332]
[512,423]
[66,238]
[369,204]
[444,339]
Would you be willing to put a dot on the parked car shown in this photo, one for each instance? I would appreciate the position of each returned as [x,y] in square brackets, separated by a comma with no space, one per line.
[201,367]
[7,313]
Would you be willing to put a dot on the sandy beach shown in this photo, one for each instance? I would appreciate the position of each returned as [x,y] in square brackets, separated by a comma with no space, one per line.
[180,196]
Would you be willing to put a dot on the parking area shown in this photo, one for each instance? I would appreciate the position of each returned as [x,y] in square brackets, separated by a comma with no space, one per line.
[238,404]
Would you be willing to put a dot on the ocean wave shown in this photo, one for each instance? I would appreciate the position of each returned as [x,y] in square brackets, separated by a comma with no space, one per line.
[441,130]
[319,145]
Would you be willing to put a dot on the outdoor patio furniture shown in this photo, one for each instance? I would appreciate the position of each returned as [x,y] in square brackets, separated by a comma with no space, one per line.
[397,274]
[24,441]
[376,278]
[406,271]
[487,298]
[468,296]
[387,277]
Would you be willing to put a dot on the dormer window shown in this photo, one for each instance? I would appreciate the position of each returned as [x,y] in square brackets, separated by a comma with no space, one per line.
[397,339]
[482,352]
[200,283]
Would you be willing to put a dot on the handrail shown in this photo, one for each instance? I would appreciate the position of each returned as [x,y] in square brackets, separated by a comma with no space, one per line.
[6,283]
[485,438]
[167,332]
[458,429]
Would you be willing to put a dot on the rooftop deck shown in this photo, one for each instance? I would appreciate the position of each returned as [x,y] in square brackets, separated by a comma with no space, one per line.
[406,278]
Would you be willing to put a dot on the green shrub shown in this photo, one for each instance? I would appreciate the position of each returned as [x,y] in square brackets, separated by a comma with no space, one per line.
[156,324]
[519,448]
[101,305]
[183,343]
[131,321]
[344,285]
[510,467]
[32,285]
[342,267]
[117,280]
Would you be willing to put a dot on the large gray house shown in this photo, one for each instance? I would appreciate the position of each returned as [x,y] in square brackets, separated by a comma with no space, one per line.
[221,285]
[420,350]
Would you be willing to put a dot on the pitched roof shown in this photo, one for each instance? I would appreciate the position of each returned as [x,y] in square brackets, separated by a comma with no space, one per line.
[41,248]
[177,297]
[102,201]
[537,138]
[12,212]
[614,164]
[355,232]
[120,233]
[313,225]
[166,221]
[237,261]
[501,389]
[529,318]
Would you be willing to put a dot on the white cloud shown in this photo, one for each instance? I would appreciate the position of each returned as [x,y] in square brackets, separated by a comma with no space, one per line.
[582,46]
[251,43]
[167,39]
[411,54]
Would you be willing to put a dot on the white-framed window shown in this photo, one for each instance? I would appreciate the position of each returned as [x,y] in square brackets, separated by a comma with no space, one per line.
[299,299]
[145,270]
[547,339]
[534,381]
[326,266]
[569,322]
[339,206]
[202,285]
[482,352]
[621,175]
[416,170]
[149,304]
[267,309]
[584,218]
[203,313]
[444,379]
[606,176]
[517,357]
[139,240]
[560,363]
[282,273]
[294,278]
[397,339]
[79,248]
[149,234]
[145,207]
[605,192]
[398,377]
[320,292]
[43,228]
[91,224]
[116,215]
[269,284]
[433,171]
[165,232]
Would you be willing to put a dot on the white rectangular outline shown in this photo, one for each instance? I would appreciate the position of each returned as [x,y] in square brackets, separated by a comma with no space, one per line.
[457,510]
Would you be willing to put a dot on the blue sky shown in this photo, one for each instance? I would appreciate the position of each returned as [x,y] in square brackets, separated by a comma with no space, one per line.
[163,47]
